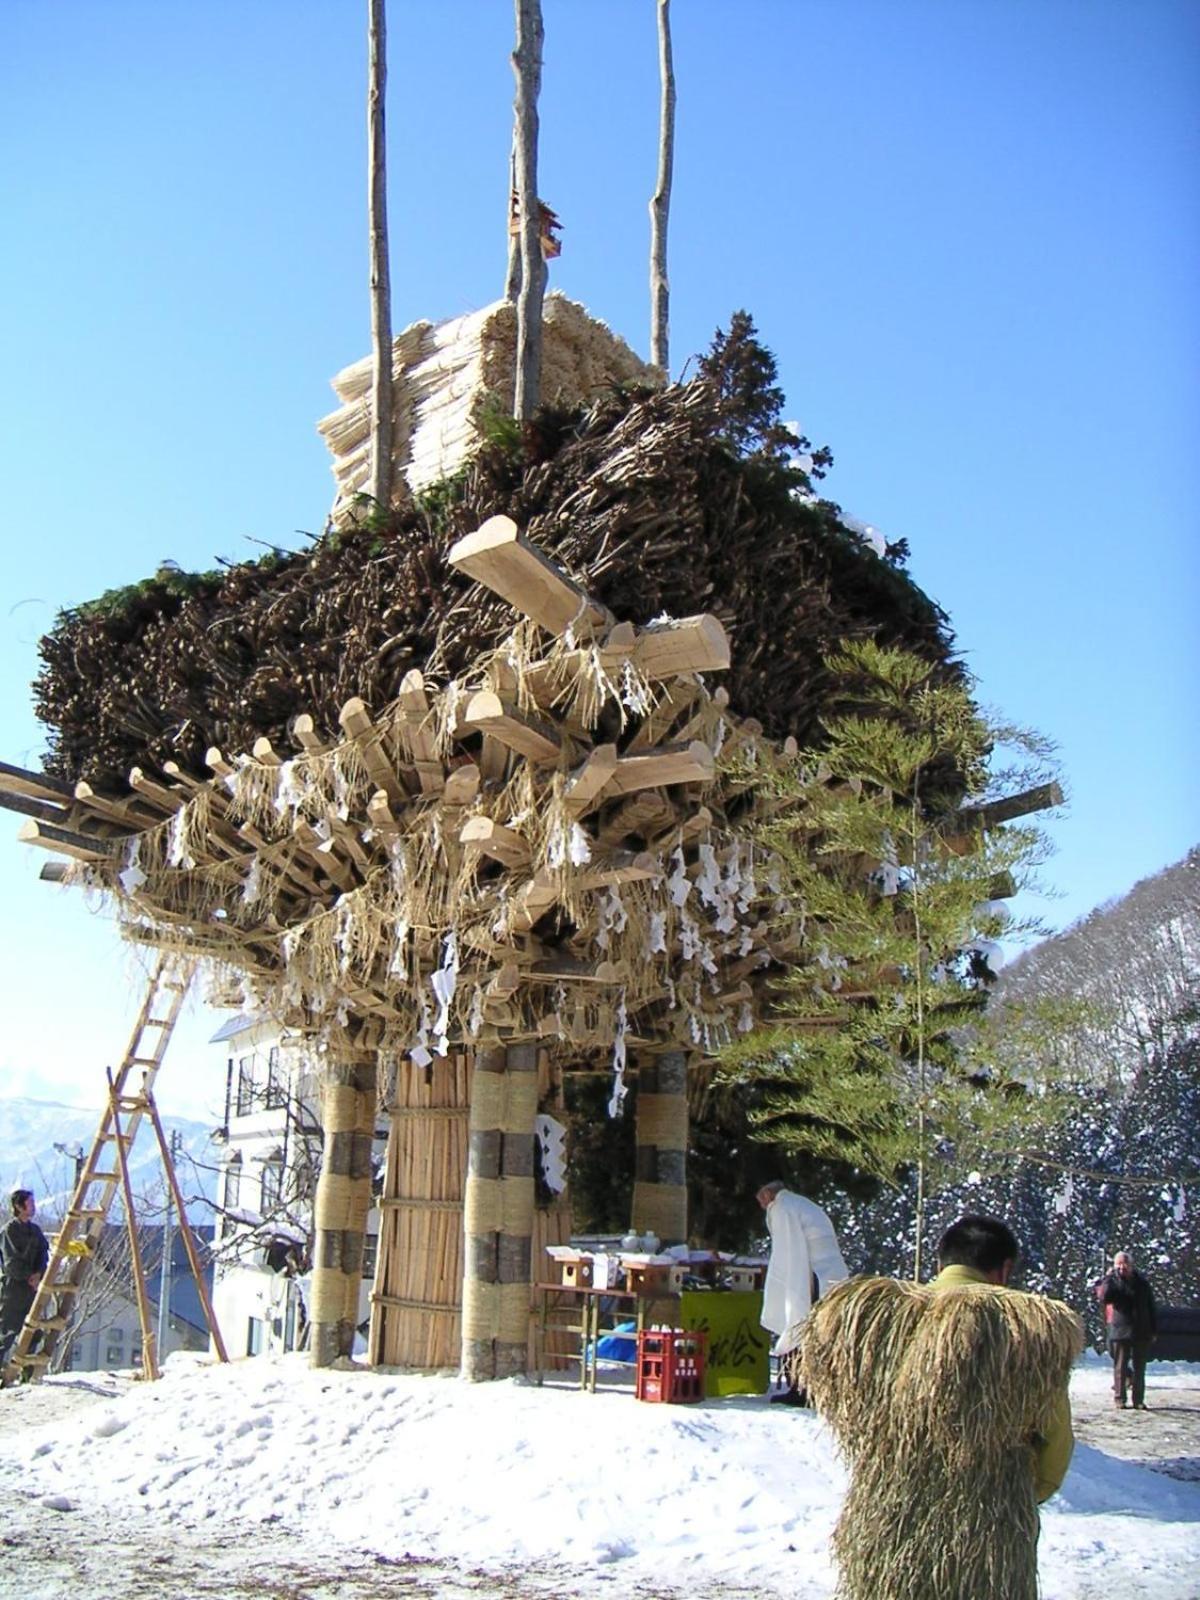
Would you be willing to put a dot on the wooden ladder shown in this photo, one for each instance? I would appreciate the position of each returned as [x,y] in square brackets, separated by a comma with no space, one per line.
[130,1098]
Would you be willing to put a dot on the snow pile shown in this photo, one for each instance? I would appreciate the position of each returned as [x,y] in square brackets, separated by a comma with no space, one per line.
[509,1475]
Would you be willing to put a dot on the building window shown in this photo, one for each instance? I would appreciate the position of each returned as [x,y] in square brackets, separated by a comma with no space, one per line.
[272,1186]
[370,1254]
[276,1095]
[256,1332]
[113,1355]
[135,1356]
[245,1089]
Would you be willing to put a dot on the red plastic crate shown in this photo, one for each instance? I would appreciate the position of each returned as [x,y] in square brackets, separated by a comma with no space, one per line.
[670,1365]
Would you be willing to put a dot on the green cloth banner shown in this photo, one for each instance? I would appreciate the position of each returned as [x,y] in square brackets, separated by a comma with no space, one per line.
[738,1345]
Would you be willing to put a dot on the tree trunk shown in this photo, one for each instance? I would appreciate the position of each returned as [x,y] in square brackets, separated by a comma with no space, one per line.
[527,68]
[498,1218]
[342,1203]
[381,296]
[660,1161]
[660,205]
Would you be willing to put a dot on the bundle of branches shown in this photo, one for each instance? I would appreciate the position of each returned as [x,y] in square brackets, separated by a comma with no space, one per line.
[694,498]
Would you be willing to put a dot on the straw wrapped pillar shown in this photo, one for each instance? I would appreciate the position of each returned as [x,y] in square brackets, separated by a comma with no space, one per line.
[499,1213]
[660,1162]
[343,1200]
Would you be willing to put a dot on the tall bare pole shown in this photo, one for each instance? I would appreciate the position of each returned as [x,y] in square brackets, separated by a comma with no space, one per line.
[381,292]
[660,205]
[527,69]
[512,277]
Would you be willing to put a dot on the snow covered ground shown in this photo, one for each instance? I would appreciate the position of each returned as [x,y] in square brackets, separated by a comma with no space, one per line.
[267,1478]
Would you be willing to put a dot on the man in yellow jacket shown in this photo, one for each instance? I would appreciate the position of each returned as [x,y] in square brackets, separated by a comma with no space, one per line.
[949,1400]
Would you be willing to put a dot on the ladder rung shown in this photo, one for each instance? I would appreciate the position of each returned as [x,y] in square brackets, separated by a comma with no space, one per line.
[49,1322]
[157,1022]
[125,1138]
[64,1288]
[77,1214]
[42,1359]
[145,1061]
[96,1176]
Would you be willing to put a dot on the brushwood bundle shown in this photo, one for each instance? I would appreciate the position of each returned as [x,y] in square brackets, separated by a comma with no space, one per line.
[693,498]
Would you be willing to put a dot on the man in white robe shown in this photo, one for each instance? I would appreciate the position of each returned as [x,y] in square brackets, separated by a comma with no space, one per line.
[805,1261]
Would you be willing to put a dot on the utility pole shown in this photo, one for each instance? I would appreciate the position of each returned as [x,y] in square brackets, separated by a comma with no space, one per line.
[168,1255]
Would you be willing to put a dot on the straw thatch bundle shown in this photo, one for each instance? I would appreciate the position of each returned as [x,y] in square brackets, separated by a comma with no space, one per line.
[448,378]
[935,1396]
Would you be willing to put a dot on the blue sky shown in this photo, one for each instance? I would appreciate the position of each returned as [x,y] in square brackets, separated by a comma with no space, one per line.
[967,228]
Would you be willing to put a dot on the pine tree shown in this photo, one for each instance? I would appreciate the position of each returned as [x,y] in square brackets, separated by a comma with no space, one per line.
[888,860]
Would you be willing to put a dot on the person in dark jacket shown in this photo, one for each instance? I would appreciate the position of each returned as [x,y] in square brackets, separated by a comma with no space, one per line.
[1132,1323]
[23,1257]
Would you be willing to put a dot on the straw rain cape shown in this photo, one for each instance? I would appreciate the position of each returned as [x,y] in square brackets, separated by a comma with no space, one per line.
[936,1397]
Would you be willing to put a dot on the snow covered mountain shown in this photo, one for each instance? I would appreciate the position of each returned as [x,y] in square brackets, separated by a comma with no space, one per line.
[31,1132]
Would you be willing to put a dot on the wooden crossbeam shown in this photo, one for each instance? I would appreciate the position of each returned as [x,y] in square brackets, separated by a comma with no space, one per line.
[586,785]
[417,734]
[654,728]
[40,810]
[497,556]
[304,731]
[485,712]
[462,786]
[357,724]
[34,785]
[1042,798]
[168,801]
[127,812]
[494,839]
[62,840]
[671,764]
[691,644]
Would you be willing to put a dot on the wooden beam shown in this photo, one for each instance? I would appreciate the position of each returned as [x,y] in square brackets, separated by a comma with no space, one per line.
[40,810]
[644,814]
[619,867]
[486,713]
[692,644]
[462,786]
[34,785]
[588,782]
[304,731]
[1042,798]
[263,752]
[127,812]
[357,724]
[654,729]
[532,902]
[163,799]
[497,556]
[62,841]
[670,764]
[417,734]
[494,839]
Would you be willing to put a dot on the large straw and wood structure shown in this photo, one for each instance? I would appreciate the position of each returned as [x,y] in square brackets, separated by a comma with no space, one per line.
[457,796]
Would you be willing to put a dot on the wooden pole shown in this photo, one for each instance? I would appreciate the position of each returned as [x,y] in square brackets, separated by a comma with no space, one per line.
[527,69]
[660,1160]
[185,1228]
[660,205]
[512,277]
[149,1356]
[498,1213]
[381,297]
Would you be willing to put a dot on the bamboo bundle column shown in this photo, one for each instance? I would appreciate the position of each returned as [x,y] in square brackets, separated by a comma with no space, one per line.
[498,1218]
[660,1162]
[417,1304]
[342,1201]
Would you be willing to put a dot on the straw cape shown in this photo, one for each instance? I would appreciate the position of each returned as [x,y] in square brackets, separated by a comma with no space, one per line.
[935,1397]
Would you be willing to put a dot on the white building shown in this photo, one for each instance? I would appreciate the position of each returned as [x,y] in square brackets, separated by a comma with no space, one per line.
[272,1143]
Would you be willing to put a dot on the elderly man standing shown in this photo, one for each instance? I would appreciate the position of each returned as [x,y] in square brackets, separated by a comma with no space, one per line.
[1132,1323]
[805,1261]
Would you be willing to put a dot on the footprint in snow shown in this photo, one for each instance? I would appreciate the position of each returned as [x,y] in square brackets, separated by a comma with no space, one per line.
[58,1502]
